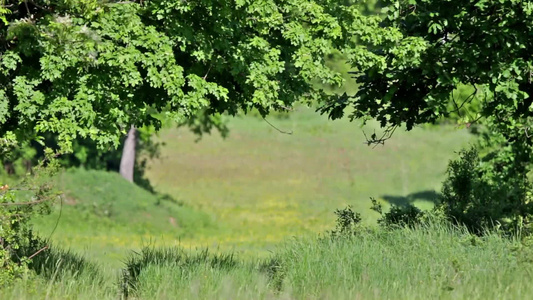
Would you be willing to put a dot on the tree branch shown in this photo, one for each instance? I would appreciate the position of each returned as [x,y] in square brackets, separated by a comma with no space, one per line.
[25,203]
[281,131]
[40,250]
[387,134]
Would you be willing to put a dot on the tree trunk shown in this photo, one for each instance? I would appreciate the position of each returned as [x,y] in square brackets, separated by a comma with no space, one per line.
[8,166]
[127,161]
[28,166]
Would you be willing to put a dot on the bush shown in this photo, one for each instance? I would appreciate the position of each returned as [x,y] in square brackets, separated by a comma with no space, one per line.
[402,216]
[486,193]
[31,196]
[348,222]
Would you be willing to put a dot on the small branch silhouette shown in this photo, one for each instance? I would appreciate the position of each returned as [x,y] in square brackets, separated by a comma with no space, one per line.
[279,130]
[387,134]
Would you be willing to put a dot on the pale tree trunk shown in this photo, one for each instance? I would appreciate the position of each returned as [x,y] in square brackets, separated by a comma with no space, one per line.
[127,161]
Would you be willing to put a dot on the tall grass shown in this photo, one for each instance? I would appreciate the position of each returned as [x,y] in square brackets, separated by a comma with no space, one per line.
[183,264]
[428,261]
[57,273]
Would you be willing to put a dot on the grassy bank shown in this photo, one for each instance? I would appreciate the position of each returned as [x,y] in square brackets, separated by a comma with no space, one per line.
[103,217]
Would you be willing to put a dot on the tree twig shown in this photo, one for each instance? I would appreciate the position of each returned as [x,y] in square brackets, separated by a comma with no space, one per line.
[286,108]
[27,8]
[387,134]
[25,203]
[58,218]
[40,250]
[281,131]
[208,70]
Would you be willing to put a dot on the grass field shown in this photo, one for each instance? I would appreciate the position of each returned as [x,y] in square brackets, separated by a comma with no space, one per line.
[432,261]
[263,186]
[265,197]
[253,190]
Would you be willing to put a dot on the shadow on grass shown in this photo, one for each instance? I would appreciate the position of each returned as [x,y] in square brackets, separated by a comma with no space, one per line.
[140,179]
[428,196]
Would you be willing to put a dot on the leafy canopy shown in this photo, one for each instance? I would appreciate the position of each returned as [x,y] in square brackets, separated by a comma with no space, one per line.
[91,68]
[445,45]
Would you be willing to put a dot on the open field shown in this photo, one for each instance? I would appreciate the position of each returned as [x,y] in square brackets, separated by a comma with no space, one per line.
[251,191]
[262,186]
[262,203]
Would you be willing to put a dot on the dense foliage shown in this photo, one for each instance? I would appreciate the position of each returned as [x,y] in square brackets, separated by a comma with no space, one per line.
[474,194]
[92,68]
[18,204]
[483,44]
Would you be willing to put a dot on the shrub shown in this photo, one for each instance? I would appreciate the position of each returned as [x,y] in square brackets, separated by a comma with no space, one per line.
[31,196]
[402,216]
[348,222]
[486,193]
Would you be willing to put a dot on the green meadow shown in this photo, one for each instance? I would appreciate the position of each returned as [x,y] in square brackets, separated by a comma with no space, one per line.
[248,217]
[251,191]
[430,261]
[290,205]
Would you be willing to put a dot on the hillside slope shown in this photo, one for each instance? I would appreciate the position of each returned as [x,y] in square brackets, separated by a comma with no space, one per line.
[105,216]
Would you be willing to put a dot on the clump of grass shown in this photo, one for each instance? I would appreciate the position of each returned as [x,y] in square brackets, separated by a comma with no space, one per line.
[274,268]
[56,273]
[50,261]
[175,258]
[58,262]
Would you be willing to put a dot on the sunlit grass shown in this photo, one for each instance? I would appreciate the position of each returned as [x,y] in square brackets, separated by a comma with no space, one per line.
[252,191]
[431,261]
[263,186]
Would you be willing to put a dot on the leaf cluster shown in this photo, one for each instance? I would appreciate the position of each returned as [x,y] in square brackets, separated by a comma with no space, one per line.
[92,68]
[441,46]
